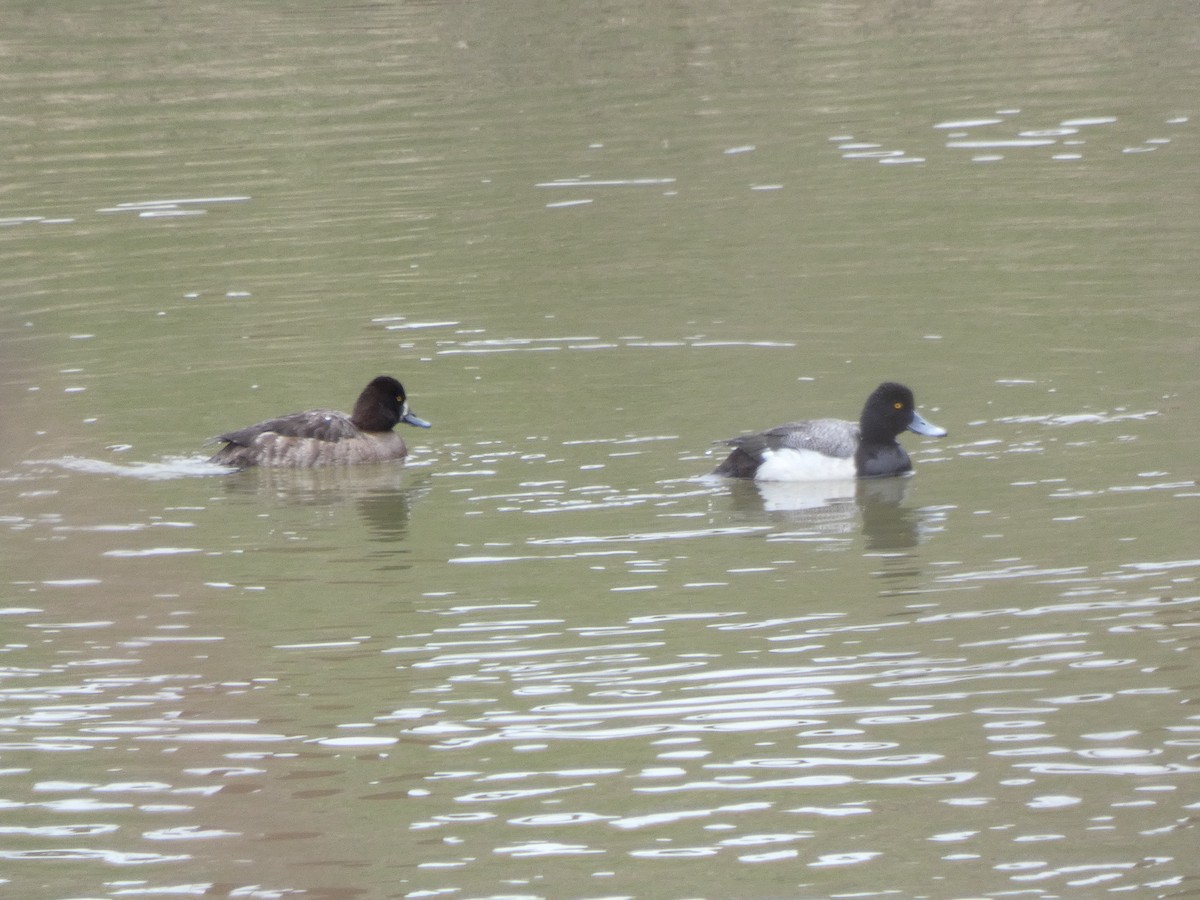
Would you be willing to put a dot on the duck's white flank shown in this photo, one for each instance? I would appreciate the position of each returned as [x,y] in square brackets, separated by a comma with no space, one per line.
[790,464]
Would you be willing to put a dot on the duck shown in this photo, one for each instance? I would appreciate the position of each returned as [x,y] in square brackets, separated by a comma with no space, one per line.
[829,449]
[325,437]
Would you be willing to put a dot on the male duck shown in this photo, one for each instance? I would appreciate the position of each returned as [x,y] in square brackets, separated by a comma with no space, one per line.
[325,437]
[820,449]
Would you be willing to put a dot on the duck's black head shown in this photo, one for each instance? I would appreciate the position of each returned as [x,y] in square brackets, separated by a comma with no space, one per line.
[890,410]
[383,405]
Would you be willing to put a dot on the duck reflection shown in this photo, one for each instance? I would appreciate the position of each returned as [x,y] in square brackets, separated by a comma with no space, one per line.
[874,506]
[383,495]
[887,523]
[327,484]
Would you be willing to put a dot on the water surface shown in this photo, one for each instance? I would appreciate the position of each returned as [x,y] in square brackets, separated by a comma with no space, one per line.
[549,657]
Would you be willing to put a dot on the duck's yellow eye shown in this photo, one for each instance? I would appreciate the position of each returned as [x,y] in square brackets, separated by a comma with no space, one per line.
[899,405]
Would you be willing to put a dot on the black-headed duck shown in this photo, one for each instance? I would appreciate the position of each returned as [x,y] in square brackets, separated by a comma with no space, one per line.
[820,449]
[325,437]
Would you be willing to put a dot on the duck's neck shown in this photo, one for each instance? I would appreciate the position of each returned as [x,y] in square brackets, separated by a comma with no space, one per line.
[371,413]
[874,434]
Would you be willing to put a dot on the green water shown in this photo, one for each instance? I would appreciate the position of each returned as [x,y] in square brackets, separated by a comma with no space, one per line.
[547,657]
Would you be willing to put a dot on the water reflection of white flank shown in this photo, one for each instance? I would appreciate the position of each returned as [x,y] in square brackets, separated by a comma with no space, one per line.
[798,495]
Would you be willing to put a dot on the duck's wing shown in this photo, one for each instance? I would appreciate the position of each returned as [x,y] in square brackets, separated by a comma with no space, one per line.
[829,437]
[318,424]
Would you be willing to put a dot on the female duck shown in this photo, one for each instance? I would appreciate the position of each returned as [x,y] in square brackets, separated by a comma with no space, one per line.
[325,437]
[820,449]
